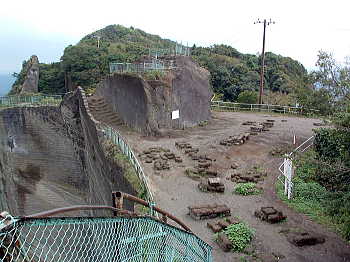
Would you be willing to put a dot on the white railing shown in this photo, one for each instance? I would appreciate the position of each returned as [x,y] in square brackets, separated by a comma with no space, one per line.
[286,168]
[232,107]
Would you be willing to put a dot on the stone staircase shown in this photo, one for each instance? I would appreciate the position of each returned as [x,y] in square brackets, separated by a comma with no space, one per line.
[103,112]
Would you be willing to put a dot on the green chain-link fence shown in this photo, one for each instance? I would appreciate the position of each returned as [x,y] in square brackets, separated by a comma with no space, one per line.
[29,100]
[118,140]
[116,239]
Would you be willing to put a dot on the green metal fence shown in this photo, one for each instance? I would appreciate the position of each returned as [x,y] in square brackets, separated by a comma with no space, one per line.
[139,67]
[29,100]
[119,141]
[178,49]
[117,239]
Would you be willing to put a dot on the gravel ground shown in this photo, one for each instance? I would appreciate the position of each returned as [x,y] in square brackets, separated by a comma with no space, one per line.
[174,191]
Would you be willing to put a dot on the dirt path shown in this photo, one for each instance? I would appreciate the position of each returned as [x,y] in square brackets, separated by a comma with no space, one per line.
[174,191]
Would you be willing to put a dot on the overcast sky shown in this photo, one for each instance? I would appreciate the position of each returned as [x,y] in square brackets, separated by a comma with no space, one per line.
[302,28]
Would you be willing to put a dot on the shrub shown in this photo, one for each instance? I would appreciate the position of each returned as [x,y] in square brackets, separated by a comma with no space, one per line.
[248,97]
[246,189]
[154,75]
[331,144]
[240,236]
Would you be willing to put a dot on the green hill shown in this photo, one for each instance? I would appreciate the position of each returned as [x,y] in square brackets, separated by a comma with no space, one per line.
[231,71]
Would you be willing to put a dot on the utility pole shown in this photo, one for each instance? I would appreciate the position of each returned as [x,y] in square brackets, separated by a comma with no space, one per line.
[98,41]
[265,23]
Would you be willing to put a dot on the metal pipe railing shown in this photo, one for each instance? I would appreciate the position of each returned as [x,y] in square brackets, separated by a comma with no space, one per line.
[233,106]
[57,211]
[118,199]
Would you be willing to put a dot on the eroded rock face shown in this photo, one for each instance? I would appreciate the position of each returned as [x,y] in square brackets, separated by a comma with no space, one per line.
[31,80]
[147,105]
[51,157]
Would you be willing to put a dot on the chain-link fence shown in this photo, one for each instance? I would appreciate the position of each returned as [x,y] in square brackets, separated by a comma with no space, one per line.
[139,67]
[98,239]
[178,49]
[119,141]
[29,100]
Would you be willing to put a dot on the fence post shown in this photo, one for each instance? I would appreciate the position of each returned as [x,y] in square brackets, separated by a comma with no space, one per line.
[290,179]
[285,168]
[251,107]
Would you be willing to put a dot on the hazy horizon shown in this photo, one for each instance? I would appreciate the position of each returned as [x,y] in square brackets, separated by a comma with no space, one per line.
[6,81]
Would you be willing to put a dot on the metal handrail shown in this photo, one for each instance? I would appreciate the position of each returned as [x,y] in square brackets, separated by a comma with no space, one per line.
[262,107]
[56,211]
[118,198]
[293,152]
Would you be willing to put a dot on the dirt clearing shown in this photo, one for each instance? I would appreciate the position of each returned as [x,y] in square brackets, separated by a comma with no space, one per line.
[175,191]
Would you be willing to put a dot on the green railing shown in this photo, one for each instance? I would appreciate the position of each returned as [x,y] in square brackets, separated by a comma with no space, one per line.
[177,49]
[139,67]
[119,141]
[232,107]
[98,239]
[29,100]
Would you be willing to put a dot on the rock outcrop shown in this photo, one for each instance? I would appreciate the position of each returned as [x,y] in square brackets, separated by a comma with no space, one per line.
[147,105]
[30,84]
[51,157]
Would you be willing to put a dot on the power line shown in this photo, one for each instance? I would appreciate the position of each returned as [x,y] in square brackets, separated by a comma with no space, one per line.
[265,23]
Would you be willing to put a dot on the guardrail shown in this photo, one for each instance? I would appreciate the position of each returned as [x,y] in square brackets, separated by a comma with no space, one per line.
[119,141]
[232,107]
[286,167]
[29,100]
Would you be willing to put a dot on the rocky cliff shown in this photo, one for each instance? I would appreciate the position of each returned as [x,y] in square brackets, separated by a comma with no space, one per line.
[147,105]
[30,84]
[51,157]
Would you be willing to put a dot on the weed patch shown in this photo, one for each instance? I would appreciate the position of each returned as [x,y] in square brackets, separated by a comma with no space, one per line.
[246,189]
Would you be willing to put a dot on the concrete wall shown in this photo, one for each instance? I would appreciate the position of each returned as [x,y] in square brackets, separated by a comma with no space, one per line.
[147,105]
[51,157]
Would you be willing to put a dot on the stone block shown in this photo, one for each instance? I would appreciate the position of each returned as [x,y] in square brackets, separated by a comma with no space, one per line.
[268,210]
[212,172]
[208,211]
[223,223]
[305,238]
[224,243]
[232,220]
[214,181]
[214,227]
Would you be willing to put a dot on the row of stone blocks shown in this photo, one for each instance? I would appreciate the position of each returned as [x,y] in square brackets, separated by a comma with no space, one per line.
[235,140]
[268,214]
[209,211]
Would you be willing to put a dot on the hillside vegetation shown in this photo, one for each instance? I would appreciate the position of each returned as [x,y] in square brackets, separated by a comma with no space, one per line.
[231,71]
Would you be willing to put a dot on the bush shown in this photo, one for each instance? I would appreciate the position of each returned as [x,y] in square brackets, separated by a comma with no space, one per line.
[240,236]
[246,189]
[154,75]
[248,97]
[321,190]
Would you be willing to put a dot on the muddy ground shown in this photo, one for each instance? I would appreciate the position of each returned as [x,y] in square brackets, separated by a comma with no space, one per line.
[174,191]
